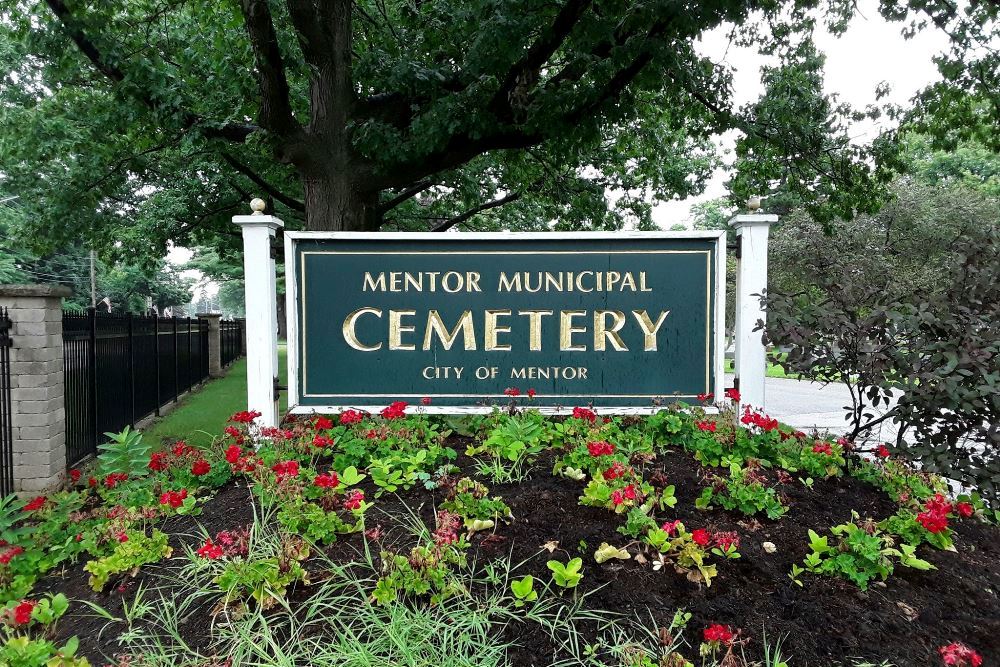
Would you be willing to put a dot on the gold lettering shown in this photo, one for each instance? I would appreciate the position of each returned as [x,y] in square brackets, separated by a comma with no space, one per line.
[612,279]
[375,285]
[395,278]
[534,327]
[566,331]
[492,330]
[628,280]
[518,374]
[642,282]
[553,283]
[473,282]
[436,326]
[456,279]
[509,285]
[649,328]
[579,281]
[417,282]
[397,329]
[602,333]
[527,282]
[351,336]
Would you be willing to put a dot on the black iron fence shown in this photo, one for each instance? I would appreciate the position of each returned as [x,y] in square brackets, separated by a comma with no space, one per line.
[122,368]
[6,427]
[230,341]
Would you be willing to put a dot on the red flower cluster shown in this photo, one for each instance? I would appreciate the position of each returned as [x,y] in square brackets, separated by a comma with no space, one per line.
[322,441]
[447,528]
[758,419]
[274,433]
[158,462]
[531,393]
[706,426]
[733,394]
[701,537]
[959,655]
[233,542]
[426,400]
[354,499]
[395,410]
[882,451]
[322,424]
[727,539]
[233,454]
[181,448]
[114,479]
[348,417]
[965,510]
[584,413]
[719,633]
[285,469]
[200,467]
[210,550]
[621,495]
[74,475]
[234,432]
[600,448]
[705,398]
[935,516]
[614,472]
[21,614]
[7,554]
[36,504]
[823,448]
[245,417]
[512,392]
[174,498]
[327,480]
[670,527]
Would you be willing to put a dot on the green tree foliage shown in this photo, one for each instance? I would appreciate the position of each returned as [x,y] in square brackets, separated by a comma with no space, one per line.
[132,122]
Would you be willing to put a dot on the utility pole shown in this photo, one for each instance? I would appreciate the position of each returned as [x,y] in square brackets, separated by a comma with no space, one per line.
[93,282]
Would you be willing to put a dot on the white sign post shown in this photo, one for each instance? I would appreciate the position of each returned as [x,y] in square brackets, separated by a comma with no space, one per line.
[261,311]
[751,279]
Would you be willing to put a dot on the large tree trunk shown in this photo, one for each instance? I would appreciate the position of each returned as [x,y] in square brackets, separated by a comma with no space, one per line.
[333,203]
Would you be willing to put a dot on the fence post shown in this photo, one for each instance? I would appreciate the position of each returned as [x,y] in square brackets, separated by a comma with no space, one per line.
[156,352]
[177,377]
[92,363]
[38,413]
[261,311]
[214,343]
[131,372]
[190,379]
[751,279]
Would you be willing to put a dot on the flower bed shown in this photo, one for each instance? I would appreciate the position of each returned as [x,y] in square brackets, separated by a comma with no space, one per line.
[507,539]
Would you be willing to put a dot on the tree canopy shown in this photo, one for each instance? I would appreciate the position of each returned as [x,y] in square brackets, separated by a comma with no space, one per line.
[135,122]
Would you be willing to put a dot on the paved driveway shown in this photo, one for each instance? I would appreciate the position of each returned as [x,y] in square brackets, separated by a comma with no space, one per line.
[809,405]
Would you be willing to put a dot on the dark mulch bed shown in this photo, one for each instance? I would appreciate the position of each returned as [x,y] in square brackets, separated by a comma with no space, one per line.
[825,622]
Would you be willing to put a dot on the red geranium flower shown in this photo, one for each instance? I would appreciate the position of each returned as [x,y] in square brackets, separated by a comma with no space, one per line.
[600,448]
[933,522]
[727,539]
[584,413]
[115,478]
[354,499]
[965,510]
[322,424]
[200,467]
[706,426]
[22,612]
[531,393]
[245,417]
[233,454]
[512,391]
[284,469]
[719,633]
[614,472]
[882,452]
[9,553]
[350,417]
[701,537]
[671,526]
[327,480]
[74,475]
[36,504]
[733,394]
[823,448]
[395,410]
[426,400]
[158,462]
[959,655]
[322,441]
[174,498]
[210,550]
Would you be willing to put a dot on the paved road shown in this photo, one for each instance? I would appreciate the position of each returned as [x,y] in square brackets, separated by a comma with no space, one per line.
[808,406]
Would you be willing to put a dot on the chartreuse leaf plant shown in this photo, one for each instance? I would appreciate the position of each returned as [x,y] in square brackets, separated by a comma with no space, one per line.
[133,550]
[566,575]
[523,590]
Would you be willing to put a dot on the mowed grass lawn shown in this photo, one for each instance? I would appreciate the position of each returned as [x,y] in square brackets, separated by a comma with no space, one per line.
[773,370]
[202,415]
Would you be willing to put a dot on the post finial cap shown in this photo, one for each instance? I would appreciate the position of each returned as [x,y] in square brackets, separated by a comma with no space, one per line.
[753,203]
[257,205]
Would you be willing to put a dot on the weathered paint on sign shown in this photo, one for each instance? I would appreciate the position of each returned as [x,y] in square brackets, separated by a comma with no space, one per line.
[627,320]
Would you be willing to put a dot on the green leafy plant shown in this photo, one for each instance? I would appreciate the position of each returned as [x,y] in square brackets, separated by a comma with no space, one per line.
[137,550]
[513,439]
[523,590]
[264,578]
[23,651]
[566,575]
[743,491]
[428,570]
[125,454]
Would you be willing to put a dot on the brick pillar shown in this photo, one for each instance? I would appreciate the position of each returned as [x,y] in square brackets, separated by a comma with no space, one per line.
[37,391]
[214,343]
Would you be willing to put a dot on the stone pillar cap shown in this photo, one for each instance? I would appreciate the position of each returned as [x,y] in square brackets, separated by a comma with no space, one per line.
[208,314]
[60,291]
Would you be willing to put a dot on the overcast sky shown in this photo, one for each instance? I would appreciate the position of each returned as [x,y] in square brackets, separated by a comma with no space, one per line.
[870,52]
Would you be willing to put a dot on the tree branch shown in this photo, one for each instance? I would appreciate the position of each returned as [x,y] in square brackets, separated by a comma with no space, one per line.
[312,39]
[244,169]
[236,132]
[459,219]
[275,107]
[405,195]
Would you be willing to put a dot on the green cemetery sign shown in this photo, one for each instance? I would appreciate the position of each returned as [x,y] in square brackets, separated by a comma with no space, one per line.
[615,320]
